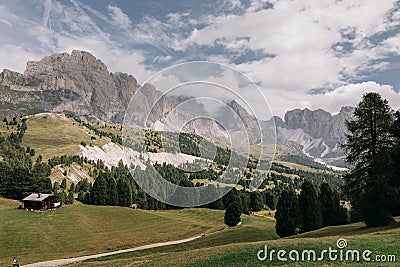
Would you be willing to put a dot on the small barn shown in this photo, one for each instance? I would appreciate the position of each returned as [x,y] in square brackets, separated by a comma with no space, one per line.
[38,201]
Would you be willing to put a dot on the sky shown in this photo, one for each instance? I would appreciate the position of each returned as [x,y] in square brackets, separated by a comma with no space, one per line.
[301,54]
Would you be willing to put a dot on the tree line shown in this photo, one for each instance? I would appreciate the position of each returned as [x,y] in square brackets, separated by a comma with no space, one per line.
[308,211]
[18,175]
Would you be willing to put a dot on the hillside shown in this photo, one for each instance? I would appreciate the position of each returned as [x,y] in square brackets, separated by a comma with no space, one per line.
[55,135]
[82,229]
[65,227]
[382,241]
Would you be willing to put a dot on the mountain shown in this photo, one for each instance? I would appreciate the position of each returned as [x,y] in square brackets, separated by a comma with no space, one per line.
[78,83]
[239,122]
[316,133]
[81,84]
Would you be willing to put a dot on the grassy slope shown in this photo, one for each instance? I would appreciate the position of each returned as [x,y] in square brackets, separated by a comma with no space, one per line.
[56,135]
[8,203]
[300,167]
[229,249]
[252,229]
[81,229]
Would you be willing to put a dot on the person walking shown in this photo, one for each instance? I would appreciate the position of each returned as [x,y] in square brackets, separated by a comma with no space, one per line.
[15,262]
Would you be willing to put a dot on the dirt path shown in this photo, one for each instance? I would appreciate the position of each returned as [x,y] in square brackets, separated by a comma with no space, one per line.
[61,262]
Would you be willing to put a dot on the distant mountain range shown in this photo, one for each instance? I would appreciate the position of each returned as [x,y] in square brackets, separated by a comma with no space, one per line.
[81,84]
[316,133]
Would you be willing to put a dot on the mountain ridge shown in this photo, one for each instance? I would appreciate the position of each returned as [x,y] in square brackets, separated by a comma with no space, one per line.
[81,84]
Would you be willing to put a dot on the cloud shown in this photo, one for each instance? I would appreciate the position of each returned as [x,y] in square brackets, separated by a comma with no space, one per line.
[119,18]
[14,57]
[6,22]
[63,28]
[301,34]
[286,47]
[347,95]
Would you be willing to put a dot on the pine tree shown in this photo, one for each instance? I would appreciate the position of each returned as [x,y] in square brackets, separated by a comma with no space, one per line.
[124,194]
[232,196]
[99,193]
[394,205]
[70,198]
[113,192]
[142,199]
[287,214]
[310,208]
[72,188]
[245,199]
[56,187]
[63,184]
[368,149]
[232,214]
[332,212]
[256,200]
[270,200]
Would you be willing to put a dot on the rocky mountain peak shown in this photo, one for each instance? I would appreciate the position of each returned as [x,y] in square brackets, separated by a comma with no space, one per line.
[64,70]
[78,83]
[312,122]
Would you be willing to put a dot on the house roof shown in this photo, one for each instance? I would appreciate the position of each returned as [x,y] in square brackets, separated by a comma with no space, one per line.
[36,197]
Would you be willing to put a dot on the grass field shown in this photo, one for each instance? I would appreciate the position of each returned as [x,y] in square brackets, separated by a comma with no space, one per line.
[242,251]
[56,135]
[82,229]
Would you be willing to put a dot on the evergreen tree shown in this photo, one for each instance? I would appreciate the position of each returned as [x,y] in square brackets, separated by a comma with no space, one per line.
[245,199]
[62,196]
[63,183]
[99,193]
[72,188]
[232,214]
[113,192]
[70,198]
[287,214]
[124,194]
[232,196]
[42,185]
[310,208]
[83,185]
[256,200]
[18,187]
[329,205]
[56,187]
[270,200]
[142,199]
[394,204]
[332,212]
[368,149]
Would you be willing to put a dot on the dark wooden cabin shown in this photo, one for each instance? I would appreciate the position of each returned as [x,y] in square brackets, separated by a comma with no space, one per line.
[38,201]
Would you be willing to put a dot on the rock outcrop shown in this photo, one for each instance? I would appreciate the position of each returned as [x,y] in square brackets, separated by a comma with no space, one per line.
[96,92]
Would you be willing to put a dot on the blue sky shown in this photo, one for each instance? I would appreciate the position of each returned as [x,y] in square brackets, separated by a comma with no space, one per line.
[308,53]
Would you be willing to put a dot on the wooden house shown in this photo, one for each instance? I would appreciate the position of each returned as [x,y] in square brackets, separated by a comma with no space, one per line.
[38,201]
